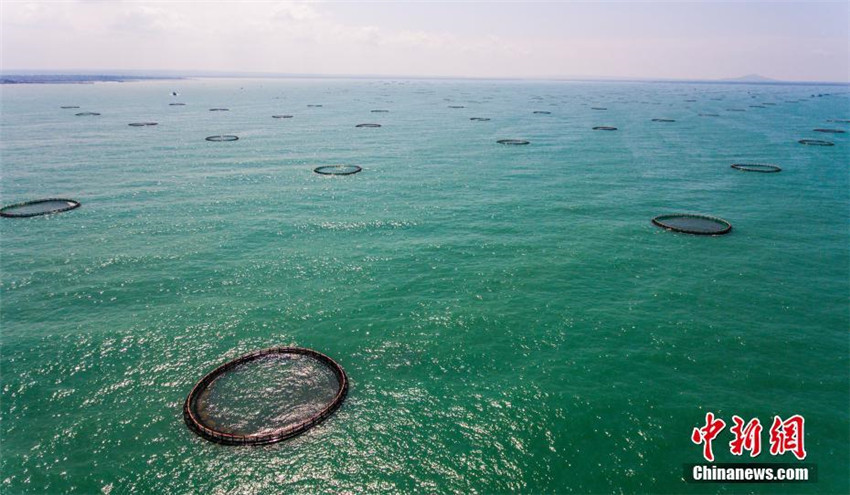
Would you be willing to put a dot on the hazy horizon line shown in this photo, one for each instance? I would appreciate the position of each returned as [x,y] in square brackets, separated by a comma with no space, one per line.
[153,73]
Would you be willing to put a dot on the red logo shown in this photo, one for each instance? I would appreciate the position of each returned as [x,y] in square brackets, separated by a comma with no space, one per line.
[785,436]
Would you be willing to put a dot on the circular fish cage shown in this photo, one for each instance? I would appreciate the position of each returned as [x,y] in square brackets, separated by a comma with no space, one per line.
[265,396]
[765,168]
[337,169]
[222,138]
[816,142]
[604,128]
[368,125]
[38,207]
[693,224]
[142,124]
[515,142]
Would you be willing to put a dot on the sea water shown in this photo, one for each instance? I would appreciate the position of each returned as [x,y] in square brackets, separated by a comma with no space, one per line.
[508,316]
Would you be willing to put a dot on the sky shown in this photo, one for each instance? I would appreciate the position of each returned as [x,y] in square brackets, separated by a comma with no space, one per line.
[786,40]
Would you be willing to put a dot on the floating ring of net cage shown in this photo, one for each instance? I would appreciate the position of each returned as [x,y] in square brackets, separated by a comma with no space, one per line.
[337,169]
[663,120]
[281,116]
[757,167]
[736,110]
[816,142]
[831,131]
[314,106]
[219,109]
[598,108]
[604,128]
[86,114]
[266,396]
[177,104]
[693,224]
[542,112]
[709,115]
[380,111]
[479,119]
[223,137]
[456,106]
[516,142]
[38,207]
[142,124]
[368,125]
[66,107]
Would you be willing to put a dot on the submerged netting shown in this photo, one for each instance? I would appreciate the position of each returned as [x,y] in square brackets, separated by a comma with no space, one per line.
[368,125]
[831,131]
[604,128]
[337,169]
[816,142]
[756,167]
[265,396]
[223,137]
[693,224]
[513,141]
[38,207]
[141,124]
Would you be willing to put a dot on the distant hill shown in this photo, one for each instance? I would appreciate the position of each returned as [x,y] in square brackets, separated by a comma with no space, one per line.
[751,78]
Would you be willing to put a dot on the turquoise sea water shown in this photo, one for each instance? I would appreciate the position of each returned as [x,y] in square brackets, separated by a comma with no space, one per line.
[509,318]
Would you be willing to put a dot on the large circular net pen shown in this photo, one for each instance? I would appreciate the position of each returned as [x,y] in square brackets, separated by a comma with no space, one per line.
[223,137]
[38,207]
[693,224]
[816,142]
[266,396]
[337,169]
[756,167]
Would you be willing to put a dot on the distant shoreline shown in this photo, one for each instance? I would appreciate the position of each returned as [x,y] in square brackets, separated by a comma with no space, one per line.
[76,79]
[95,78]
